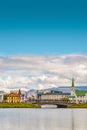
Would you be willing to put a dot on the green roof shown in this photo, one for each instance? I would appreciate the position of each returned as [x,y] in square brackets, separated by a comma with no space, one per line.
[81,92]
[71,96]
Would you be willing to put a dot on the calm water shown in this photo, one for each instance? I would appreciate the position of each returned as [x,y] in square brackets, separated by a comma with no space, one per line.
[43,119]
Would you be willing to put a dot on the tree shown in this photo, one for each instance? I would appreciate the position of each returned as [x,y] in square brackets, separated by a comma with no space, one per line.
[65,99]
[5,97]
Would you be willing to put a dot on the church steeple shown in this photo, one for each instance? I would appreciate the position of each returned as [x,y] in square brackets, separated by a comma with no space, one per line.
[19,92]
[73,93]
[73,82]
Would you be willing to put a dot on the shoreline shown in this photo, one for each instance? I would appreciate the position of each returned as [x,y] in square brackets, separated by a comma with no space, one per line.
[77,106]
[19,105]
[30,105]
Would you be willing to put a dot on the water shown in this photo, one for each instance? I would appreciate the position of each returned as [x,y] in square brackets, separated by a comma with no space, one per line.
[43,119]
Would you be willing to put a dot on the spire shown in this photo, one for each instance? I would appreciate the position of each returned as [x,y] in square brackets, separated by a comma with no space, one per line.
[19,92]
[72,82]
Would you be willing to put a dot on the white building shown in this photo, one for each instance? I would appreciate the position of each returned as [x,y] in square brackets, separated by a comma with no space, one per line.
[78,96]
[53,96]
[1,96]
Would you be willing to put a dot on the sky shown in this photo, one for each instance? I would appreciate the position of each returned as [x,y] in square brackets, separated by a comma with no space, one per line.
[43,27]
[40,29]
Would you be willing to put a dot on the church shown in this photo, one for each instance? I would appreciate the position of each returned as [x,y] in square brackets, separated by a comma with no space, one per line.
[77,96]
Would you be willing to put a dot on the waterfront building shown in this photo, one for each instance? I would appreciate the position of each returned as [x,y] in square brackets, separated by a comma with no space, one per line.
[13,98]
[81,96]
[54,96]
[22,93]
[1,96]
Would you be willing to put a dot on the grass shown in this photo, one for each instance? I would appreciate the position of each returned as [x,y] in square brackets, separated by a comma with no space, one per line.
[30,105]
[19,105]
[77,106]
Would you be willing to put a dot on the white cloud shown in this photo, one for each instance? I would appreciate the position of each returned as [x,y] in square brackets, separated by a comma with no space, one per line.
[31,71]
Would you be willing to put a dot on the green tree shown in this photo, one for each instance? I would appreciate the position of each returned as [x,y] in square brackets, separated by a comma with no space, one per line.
[65,99]
[5,97]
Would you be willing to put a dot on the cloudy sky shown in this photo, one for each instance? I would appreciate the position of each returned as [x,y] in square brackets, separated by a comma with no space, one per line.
[39,72]
[42,43]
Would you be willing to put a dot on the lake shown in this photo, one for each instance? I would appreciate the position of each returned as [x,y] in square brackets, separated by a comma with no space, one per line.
[43,119]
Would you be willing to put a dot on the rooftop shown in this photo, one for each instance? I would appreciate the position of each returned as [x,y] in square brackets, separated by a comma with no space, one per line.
[81,92]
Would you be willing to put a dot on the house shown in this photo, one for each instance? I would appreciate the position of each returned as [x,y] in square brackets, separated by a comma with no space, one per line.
[13,98]
[22,93]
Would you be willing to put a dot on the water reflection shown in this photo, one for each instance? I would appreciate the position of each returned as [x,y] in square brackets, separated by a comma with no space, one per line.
[80,119]
[43,119]
[72,117]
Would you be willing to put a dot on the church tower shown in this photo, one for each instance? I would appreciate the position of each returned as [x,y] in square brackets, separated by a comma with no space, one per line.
[72,88]
[72,82]
[73,94]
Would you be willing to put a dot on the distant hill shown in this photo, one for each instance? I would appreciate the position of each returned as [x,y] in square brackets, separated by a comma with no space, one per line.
[31,91]
[67,89]
[64,89]
[77,87]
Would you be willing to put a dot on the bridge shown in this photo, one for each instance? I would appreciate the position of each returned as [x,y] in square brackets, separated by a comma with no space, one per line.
[58,103]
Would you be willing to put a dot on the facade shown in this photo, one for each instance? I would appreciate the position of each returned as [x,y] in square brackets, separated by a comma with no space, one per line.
[53,96]
[13,98]
[1,96]
[81,96]
[22,93]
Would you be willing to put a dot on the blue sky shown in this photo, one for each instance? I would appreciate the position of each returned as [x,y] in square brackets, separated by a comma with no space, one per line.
[43,27]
